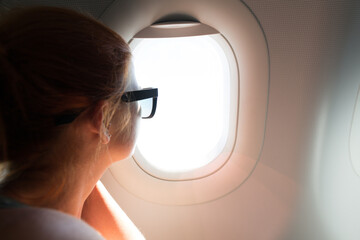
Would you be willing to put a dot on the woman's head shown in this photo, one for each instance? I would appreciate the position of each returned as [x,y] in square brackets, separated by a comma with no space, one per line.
[53,63]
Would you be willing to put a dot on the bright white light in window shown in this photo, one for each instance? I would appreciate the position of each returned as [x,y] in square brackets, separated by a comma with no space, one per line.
[190,126]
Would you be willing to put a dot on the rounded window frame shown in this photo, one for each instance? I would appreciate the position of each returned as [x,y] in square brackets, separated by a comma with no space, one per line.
[232,87]
[240,26]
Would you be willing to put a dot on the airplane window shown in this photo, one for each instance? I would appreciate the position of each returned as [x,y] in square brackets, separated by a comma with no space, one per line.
[191,125]
[207,135]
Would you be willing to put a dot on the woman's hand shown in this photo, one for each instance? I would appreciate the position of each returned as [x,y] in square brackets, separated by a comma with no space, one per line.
[102,212]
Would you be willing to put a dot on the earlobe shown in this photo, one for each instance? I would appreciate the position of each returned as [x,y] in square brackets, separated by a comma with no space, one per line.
[105,136]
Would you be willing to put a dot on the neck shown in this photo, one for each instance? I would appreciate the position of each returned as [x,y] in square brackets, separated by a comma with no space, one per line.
[78,189]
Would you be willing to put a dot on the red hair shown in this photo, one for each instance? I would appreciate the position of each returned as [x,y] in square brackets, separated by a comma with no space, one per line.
[53,61]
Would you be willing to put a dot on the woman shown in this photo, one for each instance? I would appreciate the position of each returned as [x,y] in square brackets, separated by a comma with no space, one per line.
[64,119]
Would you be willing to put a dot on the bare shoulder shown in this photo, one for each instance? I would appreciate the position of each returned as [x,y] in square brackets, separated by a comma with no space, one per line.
[39,223]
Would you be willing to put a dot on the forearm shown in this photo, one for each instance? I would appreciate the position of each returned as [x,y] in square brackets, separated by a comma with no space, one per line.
[104,214]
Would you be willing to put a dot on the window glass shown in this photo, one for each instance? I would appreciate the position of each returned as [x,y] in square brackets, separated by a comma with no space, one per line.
[190,127]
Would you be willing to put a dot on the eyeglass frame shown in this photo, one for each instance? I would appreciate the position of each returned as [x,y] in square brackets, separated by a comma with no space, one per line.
[130,96]
[143,94]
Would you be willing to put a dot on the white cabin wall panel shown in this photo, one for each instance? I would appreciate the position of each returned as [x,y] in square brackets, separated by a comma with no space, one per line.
[319,65]
[336,184]
[315,55]
[303,37]
[260,203]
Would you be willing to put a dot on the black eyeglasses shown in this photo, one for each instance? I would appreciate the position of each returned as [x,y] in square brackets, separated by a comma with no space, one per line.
[147,99]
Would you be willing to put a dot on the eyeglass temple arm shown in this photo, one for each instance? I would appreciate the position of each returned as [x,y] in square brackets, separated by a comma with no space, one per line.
[139,95]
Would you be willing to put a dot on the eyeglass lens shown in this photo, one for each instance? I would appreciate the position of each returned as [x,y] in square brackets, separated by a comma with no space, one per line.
[146,106]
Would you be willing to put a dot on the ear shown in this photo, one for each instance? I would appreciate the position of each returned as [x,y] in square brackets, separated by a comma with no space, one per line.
[96,117]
